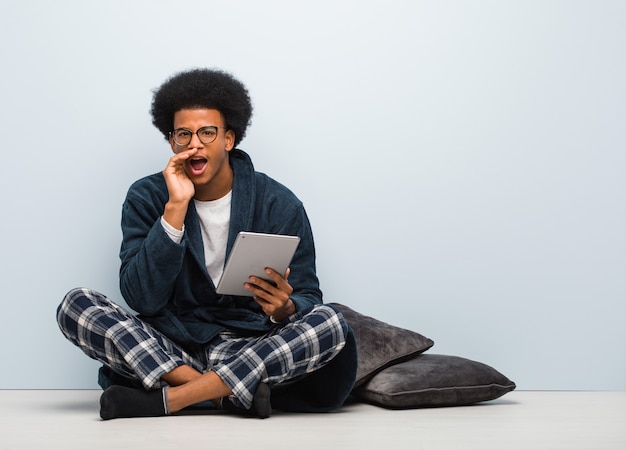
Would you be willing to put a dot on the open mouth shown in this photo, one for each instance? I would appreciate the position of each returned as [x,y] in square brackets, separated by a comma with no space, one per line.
[197,165]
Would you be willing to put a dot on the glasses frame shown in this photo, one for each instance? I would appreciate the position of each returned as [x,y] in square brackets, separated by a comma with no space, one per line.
[212,127]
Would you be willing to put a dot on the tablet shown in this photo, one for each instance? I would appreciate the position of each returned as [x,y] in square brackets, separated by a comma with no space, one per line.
[251,254]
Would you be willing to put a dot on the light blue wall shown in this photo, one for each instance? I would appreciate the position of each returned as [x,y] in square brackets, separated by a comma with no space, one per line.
[463,164]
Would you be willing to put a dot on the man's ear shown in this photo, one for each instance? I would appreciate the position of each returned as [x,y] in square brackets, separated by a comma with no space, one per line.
[229,140]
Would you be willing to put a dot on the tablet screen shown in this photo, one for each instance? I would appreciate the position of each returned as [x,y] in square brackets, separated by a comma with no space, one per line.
[251,254]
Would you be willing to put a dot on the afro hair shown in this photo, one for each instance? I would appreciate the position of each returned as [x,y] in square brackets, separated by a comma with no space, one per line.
[203,88]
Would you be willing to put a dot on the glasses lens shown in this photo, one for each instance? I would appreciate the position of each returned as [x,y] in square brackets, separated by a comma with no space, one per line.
[207,134]
[182,137]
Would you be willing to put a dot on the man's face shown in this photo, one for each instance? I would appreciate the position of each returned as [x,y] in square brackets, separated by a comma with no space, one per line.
[208,168]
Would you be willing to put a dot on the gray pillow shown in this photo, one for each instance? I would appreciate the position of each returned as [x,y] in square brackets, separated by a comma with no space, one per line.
[379,344]
[434,380]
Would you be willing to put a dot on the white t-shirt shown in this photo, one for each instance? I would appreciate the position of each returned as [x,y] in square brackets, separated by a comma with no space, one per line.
[214,218]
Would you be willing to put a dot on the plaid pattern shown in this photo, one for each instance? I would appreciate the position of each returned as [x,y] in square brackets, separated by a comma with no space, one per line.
[308,342]
[132,348]
[108,333]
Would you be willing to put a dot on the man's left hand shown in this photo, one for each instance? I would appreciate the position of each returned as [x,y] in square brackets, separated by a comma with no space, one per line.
[273,296]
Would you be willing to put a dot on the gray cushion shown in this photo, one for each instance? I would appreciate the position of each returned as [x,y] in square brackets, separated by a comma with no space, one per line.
[434,380]
[379,344]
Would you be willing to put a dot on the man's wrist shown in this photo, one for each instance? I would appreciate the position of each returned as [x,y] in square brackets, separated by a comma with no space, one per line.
[174,214]
[174,234]
[290,309]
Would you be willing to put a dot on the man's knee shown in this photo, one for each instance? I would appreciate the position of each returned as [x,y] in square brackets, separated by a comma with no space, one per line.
[73,305]
[336,319]
[69,310]
[74,300]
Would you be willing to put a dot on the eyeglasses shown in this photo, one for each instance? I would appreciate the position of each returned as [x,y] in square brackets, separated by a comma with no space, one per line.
[182,136]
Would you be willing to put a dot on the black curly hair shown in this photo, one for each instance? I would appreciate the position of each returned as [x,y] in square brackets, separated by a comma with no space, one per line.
[203,88]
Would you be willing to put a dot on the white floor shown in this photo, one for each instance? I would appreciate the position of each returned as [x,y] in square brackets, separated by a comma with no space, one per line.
[519,420]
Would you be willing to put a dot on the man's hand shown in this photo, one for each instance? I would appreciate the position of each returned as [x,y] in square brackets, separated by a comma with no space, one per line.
[273,296]
[179,187]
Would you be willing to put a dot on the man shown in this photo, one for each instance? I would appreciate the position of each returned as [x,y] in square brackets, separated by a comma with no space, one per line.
[279,348]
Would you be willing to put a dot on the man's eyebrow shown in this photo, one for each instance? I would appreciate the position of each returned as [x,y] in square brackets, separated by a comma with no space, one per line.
[199,128]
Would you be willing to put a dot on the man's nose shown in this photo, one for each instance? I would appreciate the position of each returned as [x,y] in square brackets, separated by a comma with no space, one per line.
[195,141]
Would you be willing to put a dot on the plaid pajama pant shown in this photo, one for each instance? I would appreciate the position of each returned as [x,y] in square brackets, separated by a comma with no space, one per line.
[132,348]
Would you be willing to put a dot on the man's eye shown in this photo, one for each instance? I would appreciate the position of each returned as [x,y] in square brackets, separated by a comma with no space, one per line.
[207,133]
[183,134]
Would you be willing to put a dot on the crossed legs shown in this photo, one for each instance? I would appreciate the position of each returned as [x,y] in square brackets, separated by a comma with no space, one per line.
[240,368]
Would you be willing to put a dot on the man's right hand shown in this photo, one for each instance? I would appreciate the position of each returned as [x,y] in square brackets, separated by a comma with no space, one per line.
[180,188]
